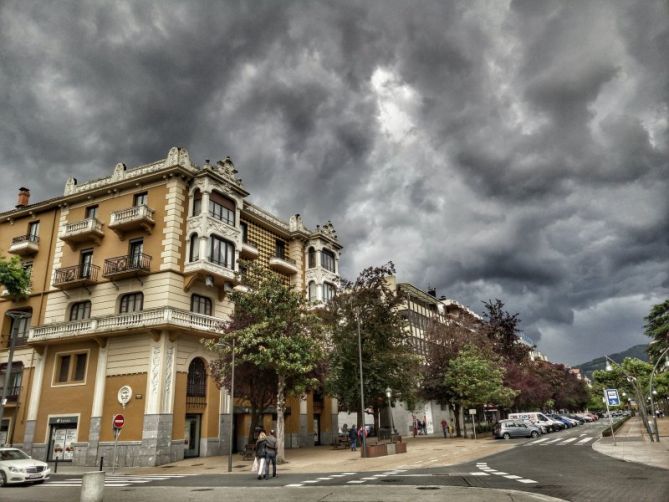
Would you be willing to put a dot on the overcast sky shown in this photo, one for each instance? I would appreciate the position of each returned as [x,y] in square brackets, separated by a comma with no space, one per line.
[512,150]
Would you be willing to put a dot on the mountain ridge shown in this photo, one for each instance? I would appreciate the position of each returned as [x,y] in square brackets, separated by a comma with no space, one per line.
[599,363]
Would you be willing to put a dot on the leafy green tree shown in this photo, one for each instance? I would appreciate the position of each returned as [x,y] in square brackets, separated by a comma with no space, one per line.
[475,379]
[368,306]
[14,277]
[274,330]
[656,326]
[503,330]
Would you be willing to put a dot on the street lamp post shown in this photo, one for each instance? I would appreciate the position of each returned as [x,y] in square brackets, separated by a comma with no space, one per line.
[16,317]
[232,407]
[363,434]
[391,425]
[653,391]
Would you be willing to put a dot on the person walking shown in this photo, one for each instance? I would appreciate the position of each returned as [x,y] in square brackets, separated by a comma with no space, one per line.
[261,453]
[444,427]
[353,437]
[270,455]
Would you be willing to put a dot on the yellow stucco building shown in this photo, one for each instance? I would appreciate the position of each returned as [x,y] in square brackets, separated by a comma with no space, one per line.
[128,273]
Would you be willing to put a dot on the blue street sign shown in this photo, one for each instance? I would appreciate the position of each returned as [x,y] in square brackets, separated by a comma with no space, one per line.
[612,397]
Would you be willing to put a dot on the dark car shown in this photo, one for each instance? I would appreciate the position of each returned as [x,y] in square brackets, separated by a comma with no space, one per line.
[506,429]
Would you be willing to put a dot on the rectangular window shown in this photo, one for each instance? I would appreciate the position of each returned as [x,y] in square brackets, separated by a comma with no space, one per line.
[328,260]
[71,368]
[135,252]
[200,305]
[245,231]
[221,212]
[222,252]
[33,229]
[85,262]
[140,199]
[91,212]
[19,328]
[63,368]
[133,302]
[80,311]
[280,249]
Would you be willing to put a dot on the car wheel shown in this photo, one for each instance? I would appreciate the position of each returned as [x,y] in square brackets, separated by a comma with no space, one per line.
[534,434]
[506,436]
[3,479]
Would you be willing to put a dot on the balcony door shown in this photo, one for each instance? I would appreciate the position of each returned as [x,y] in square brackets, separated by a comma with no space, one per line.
[85,263]
[135,254]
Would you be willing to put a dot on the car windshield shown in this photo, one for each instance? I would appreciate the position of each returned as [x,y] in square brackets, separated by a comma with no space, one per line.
[12,455]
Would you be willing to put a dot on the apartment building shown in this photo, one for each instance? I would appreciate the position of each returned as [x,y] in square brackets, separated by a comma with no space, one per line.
[129,273]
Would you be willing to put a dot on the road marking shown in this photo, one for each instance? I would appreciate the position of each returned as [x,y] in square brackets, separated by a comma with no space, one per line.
[567,441]
[371,478]
[433,460]
[117,480]
[526,481]
[512,476]
[295,485]
[553,441]
[500,473]
[479,474]
[324,479]
[311,481]
[355,482]
[535,442]
[584,440]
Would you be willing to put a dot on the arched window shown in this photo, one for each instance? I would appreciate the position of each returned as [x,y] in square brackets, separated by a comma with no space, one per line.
[222,208]
[311,257]
[222,252]
[313,292]
[200,304]
[197,202]
[328,260]
[329,291]
[80,311]
[132,302]
[197,378]
[194,252]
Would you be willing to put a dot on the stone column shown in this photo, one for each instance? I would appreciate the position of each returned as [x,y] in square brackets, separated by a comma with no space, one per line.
[334,410]
[33,403]
[97,409]
[305,438]
[225,416]
[157,431]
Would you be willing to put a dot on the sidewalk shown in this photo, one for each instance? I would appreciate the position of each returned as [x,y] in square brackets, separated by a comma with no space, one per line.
[633,444]
[420,451]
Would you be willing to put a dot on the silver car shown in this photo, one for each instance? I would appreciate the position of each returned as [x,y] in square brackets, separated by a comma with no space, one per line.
[506,429]
[17,466]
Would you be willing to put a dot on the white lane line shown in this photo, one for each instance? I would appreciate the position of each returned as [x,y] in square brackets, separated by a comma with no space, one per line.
[567,441]
[584,440]
[311,481]
[324,479]
[500,473]
[380,475]
[512,476]
[479,474]
[526,481]
[349,473]
[536,442]
[338,475]
[355,482]
[295,485]
[371,478]
[553,441]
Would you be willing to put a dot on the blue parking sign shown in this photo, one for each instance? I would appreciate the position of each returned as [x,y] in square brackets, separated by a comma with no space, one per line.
[612,397]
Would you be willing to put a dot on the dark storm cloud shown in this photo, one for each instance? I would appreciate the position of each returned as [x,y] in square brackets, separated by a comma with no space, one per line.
[491,150]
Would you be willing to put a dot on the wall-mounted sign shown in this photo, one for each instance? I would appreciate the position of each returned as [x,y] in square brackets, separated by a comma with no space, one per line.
[124,395]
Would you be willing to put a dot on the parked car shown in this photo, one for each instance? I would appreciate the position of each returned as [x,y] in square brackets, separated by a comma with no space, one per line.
[540,427]
[580,420]
[506,429]
[566,424]
[537,418]
[16,466]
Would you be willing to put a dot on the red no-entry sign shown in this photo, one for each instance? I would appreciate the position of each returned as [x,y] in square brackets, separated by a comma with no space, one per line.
[118,421]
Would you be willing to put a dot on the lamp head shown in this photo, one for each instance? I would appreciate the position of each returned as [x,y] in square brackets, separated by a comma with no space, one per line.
[608,366]
[389,392]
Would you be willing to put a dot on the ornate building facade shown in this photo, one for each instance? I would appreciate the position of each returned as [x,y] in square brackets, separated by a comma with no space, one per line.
[128,274]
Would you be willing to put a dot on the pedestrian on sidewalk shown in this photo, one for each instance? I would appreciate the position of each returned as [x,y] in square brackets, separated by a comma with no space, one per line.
[444,427]
[261,453]
[353,437]
[424,426]
[270,444]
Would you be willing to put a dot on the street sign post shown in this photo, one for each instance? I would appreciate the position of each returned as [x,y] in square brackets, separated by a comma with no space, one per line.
[611,398]
[472,413]
[118,421]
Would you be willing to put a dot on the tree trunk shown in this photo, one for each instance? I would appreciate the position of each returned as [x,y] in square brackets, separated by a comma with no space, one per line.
[456,414]
[280,424]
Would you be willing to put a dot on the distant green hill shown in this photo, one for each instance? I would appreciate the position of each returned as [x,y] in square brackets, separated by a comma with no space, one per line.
[638,351]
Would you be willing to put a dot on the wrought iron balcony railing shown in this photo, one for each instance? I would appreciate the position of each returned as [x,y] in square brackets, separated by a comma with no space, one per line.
[72,277]
[127,265]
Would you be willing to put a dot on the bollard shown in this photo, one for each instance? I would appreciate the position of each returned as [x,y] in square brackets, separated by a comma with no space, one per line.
[102,460]
[55,466]
[92,486]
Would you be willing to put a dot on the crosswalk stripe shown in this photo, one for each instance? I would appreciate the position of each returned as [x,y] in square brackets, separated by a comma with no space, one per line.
[567,441]
[553,441]
[536,442]
[355,482]
[584,440]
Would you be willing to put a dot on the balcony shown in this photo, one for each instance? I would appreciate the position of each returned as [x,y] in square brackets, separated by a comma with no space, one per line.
[75,277]
[84,231]
[158,318]
[283,265]
[249,250]
[220,275]
[132,219]
[122,267]
[24,245]
[13,393]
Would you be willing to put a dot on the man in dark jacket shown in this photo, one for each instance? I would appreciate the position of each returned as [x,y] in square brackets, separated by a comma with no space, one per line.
[270,454]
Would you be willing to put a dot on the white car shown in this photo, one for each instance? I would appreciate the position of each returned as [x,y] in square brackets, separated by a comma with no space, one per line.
[17,467]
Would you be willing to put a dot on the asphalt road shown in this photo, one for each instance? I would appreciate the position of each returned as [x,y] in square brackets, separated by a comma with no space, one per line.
[561,465]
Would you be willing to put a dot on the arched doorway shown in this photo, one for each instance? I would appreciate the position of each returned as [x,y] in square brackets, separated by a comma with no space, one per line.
[196,403]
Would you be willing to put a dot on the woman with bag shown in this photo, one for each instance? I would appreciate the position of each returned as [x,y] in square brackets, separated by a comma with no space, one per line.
[261,455]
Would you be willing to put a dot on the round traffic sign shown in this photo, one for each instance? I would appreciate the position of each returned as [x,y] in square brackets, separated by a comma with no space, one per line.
[118,421]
